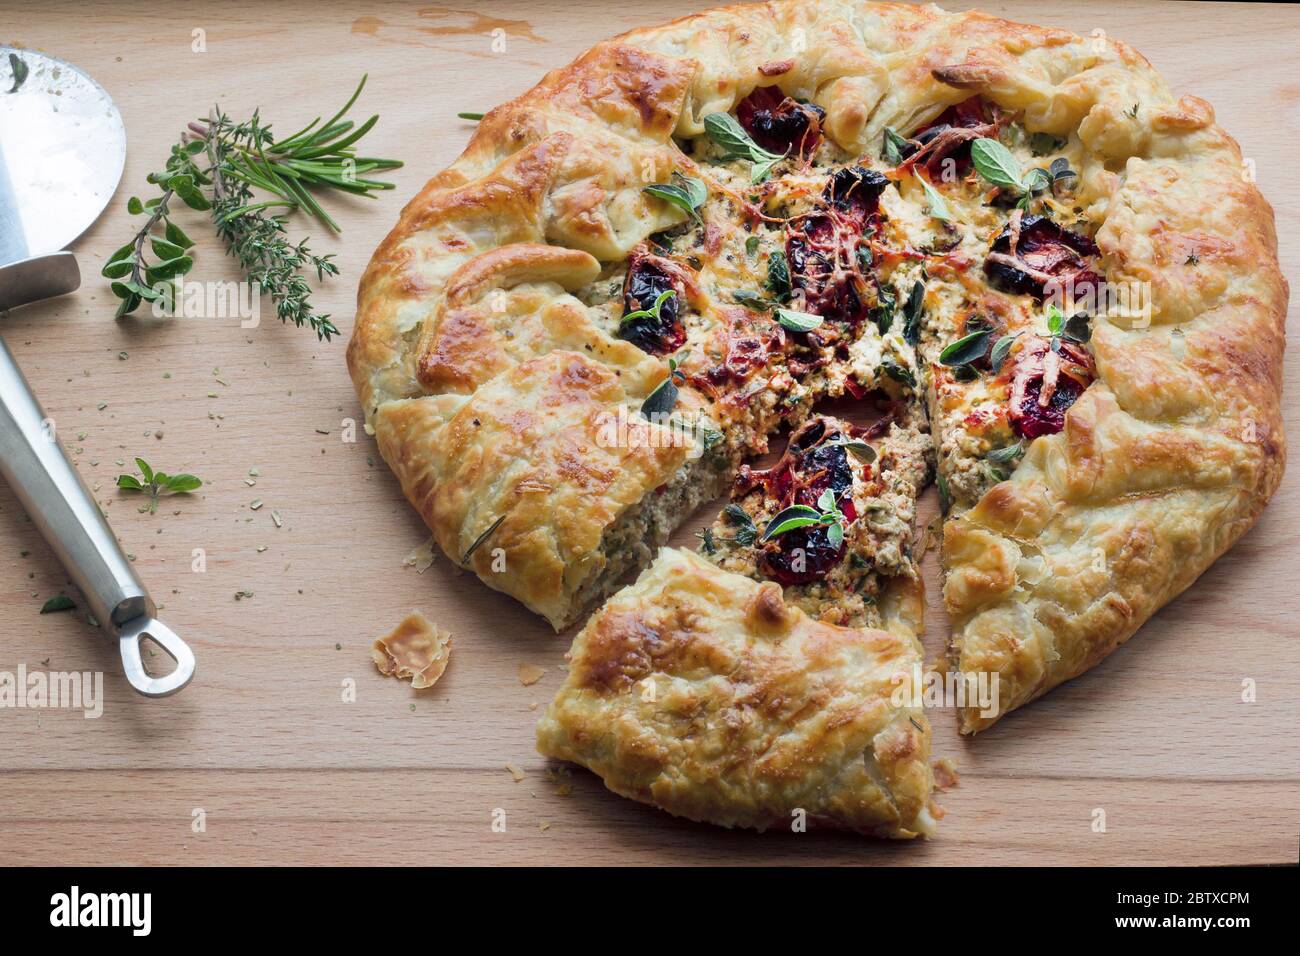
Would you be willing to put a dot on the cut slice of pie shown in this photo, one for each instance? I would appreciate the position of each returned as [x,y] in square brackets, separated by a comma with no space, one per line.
[703,693]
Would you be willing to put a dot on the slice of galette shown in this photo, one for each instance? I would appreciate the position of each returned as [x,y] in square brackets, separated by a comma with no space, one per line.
[703,693]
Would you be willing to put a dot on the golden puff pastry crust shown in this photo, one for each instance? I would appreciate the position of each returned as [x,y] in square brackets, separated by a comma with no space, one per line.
[703,693]
[484,293]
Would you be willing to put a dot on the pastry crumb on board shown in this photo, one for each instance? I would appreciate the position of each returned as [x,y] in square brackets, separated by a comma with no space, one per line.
[530,674]
[945,774]
[416,650]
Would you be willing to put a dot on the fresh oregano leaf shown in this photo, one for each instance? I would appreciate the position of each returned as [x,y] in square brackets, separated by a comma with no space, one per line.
[778,275]
[746,530]
[938,208]
[796,516]
[798,321]
[1001,347]
[61,602]
[967,349]
[686,193]
[894,148]
[898,373]
[20,70]
[912,311]
[1009,453]
[858,449]
[1055,320]
[994,162]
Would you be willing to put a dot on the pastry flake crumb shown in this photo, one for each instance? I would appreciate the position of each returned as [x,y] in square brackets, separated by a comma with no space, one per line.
[515,772]
[530,674]
[421,558]
[416,650]
[945,774]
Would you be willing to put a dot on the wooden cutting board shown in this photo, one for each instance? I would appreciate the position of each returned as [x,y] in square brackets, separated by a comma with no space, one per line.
[264,750]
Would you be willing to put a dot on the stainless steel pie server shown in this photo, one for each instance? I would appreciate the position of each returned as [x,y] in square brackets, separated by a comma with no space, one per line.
[62,149]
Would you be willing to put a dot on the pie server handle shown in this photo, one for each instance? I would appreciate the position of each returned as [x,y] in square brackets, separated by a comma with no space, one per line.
[61,506]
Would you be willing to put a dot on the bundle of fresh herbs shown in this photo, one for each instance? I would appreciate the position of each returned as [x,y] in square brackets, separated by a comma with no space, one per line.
[239,173]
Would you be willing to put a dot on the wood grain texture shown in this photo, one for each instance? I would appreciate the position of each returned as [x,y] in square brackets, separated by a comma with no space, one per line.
[263,742]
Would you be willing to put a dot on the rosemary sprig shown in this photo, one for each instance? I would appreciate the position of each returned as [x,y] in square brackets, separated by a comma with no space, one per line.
[239,173]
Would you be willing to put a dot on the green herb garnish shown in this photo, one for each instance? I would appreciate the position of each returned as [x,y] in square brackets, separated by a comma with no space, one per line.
[938,208]
[898,373]
[653,311]
[217,170]
[1077,328]
[156,483]
[1001,347]
[478,542]
[751,300]
[912,311]
[473,117]
[1055,320]
[746,530]
[725,131]
[798,321]
[995,164]
[967,349]
[19,67]
[60,602]
[802,516]
[778,275]
[883,313]
[858,449]
[1009,453]
[663,399]
[892,148]
[685,192]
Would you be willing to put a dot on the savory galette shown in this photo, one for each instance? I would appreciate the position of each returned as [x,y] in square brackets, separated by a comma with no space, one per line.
[665,253]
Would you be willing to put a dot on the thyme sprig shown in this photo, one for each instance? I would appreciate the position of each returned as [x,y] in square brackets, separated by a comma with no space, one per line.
[247,180]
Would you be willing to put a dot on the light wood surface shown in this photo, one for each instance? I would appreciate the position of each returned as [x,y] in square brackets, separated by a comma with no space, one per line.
[263,743]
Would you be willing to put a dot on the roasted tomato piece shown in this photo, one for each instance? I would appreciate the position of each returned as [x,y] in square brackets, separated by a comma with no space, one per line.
[1030,418]
[1046,381]
[1040,259]
[800,556]
[818,464]
[830,289]
[646,281]
[780,123]
[822,248]
[855,192]
[810,466]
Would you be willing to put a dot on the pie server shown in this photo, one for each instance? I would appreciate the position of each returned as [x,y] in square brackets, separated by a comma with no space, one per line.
[62,149]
